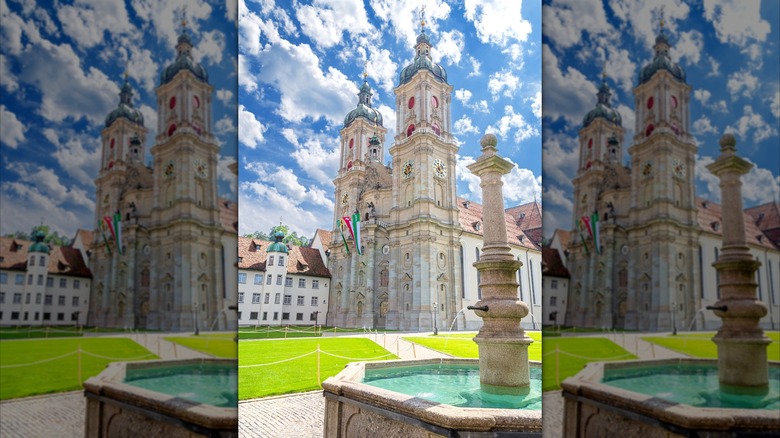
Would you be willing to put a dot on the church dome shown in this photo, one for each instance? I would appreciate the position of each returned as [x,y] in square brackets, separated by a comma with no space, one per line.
[38,246]
[603,109]
[422,61]
[661,61]
[183,61]
[278,246]
[125,108]
[364,108]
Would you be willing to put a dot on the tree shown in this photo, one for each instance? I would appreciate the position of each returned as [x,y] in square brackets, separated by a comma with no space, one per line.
[51,237]
[291,238]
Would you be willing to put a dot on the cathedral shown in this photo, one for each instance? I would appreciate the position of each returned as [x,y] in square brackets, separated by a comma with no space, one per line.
[642,246]
[411,268]
[164,244]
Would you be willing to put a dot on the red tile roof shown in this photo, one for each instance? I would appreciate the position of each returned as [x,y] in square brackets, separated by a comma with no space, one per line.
[325,238]
[564,237]
[529,219]
[552,265]
[470,216]
[767,218]
[63,260]
[710,221]
[253,256]
[86,236]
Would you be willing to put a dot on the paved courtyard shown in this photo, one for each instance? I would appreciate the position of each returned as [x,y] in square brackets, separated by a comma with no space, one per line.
[59,415]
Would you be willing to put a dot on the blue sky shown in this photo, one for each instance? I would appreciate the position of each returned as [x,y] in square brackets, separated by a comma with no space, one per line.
[60,72]
[300,66]
[729,50]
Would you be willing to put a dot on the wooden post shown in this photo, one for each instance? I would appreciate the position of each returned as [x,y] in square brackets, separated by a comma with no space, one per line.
[652,349]
[557,367]
[414,351]
[318,365]
[175,353]
[79,363]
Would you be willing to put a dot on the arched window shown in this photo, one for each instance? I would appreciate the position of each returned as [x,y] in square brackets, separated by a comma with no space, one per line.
[171,129]
[649,130]
[384,276]
[410,130]
[436,129]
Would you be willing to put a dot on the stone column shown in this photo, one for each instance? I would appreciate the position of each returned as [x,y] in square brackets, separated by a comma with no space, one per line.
[742,358]
[503,345]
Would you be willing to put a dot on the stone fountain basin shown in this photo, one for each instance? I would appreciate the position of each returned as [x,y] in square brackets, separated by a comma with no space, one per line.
[594,409]
[355,409]
[119,409]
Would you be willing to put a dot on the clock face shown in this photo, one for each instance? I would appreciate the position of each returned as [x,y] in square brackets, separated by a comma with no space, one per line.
[386,250]
[679,168]
[345,199]
[147,249]
[439,168]
[408,169]
[200,168]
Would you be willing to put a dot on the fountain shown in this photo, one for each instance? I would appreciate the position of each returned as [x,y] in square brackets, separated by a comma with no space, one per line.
[735,396]
[497,395]
[164,398]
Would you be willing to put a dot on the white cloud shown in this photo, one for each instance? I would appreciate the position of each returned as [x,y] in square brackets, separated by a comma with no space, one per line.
[326,21]
[88,22]
[78,155]
[226,124]
[741,82]
[703,126]
[381,68]
[642,17]
[566,94]
[752,122]
[67,91]
[12,132]
[775,104]
[689,45]
[557,210]
[520,185]
[737,21]
[257,198]
[497,21]
[559,155]
[449,48]
[250,130]
[566,21]
[512,120]
[164,19]
[464,126]
[759,186]
[225,174]
[536,104]
[33,206]
[8,80]
[210,48]
[503,81]
[141,67]
[714,65]
[404,23]
[225,96]
[316,154]
[475,66]
[246,79]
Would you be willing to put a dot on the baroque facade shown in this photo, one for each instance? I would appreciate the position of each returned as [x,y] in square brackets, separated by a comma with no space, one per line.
[641,249]
[168,265]
[418,239]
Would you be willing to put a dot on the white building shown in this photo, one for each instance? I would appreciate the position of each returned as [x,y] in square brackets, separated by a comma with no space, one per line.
[41,284]
[281,285]
[555,284]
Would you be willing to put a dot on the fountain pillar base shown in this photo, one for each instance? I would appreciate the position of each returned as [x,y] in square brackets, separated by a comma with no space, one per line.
[734,376]
[503,365]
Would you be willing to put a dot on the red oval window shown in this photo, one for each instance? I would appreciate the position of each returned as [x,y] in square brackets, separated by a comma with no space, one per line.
[649,130]
[436,129]
[434,102]
[113,141]
[650,102]
[195,101]
[587,166]
[674,102]
[171,129]
[351,142]
[110,164]
[409,130]
[172,102]
[590,143]
[411,102]
[349,165]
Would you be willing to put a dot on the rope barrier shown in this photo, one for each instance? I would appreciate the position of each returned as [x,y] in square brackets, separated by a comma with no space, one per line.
[38,362]
[355,358]
[116,358]
[278,362]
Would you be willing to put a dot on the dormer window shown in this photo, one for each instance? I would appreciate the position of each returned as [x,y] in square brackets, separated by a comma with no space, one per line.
[478,225]
[715,225]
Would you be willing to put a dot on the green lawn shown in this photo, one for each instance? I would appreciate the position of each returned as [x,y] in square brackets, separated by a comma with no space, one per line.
[21,375]
[701,345]
[215,344]
[574,353]
[462,344]
[299,374]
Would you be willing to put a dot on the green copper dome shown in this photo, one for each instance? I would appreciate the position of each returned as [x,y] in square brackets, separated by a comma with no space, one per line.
[603,109]
[38,246]
[183,61]
[125,109]
[278,246]
[364,108]
[422,61]
[661,61]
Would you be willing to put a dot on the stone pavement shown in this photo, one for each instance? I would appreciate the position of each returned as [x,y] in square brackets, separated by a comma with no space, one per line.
[633,343]
[59,415]
[295,416]
[394,343]
[156,343]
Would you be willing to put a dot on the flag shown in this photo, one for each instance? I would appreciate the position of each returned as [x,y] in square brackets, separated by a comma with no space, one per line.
[118,231]
[356,232]
[343,239]
[586,221]
[348,222]
[579,228]
[595,223]
[110,225]
[105,239]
